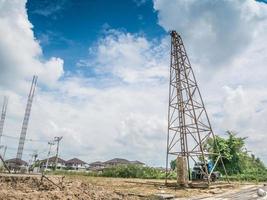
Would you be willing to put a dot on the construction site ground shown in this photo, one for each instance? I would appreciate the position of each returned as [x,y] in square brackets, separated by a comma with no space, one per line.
[17,186]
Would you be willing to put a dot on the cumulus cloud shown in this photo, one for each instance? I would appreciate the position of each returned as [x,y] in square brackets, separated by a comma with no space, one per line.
[117,113]
[130,58]
[128,105]
[20,52]
[215,31]
[20,58]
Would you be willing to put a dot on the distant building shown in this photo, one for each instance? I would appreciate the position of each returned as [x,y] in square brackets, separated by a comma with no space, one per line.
[16,163]
[96,166]
[121,161]
[79,165]
[61,164]
[136,162]
[99,166]
[116,161]
[76,164]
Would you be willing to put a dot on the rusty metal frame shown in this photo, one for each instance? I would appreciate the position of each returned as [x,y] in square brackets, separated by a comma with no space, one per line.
[188,122]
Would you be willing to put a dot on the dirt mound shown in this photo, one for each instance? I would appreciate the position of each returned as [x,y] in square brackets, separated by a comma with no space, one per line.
[20,187]
[31,187]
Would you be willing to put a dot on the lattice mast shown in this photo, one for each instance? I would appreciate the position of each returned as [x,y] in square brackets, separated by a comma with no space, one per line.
[188,123]
[26,118]
[3,116]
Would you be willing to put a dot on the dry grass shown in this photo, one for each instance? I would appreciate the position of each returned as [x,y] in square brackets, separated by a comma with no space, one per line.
[139,187]
[85,187]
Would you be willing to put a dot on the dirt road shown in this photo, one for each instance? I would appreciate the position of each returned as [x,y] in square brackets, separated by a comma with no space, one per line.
[245,192]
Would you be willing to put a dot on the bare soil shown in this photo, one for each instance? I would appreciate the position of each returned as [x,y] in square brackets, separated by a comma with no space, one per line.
[97,188]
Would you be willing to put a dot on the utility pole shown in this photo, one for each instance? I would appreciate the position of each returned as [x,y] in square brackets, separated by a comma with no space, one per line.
[57,140]
[26,119]
[3,116]
[48,154]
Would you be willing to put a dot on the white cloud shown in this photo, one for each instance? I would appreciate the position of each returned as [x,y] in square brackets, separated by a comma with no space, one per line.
[130,58]
[47,8]
[118,113]
[215,32]
[21,54]
[139,2]
[20,58]
[100,123]
[122,114]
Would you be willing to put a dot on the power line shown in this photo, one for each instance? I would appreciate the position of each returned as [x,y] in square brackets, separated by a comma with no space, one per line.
[29,140]
[13,148]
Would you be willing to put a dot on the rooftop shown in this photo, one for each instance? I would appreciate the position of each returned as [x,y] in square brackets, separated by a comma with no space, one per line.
[75,161]
[117,161]
[97,163]
[53,159]
[16,161]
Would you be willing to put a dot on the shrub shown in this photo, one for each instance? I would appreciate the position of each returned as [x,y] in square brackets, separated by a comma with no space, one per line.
[133,171]
[122,171]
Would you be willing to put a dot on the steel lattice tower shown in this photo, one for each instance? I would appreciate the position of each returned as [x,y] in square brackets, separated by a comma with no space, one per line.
[3,116]
[188,123]
[26,118]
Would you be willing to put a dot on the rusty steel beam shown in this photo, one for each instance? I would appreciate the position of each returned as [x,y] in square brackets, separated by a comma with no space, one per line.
[189,126]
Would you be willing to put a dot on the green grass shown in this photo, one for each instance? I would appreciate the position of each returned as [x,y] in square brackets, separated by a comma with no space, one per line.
[122,171]
[260,176]
[135,171]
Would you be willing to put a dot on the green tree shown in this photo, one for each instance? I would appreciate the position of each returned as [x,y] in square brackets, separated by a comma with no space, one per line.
[235,156]
[173,164]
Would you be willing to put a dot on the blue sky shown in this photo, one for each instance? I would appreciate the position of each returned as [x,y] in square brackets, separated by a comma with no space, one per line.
[264,1]
[66,28]
[103,69]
